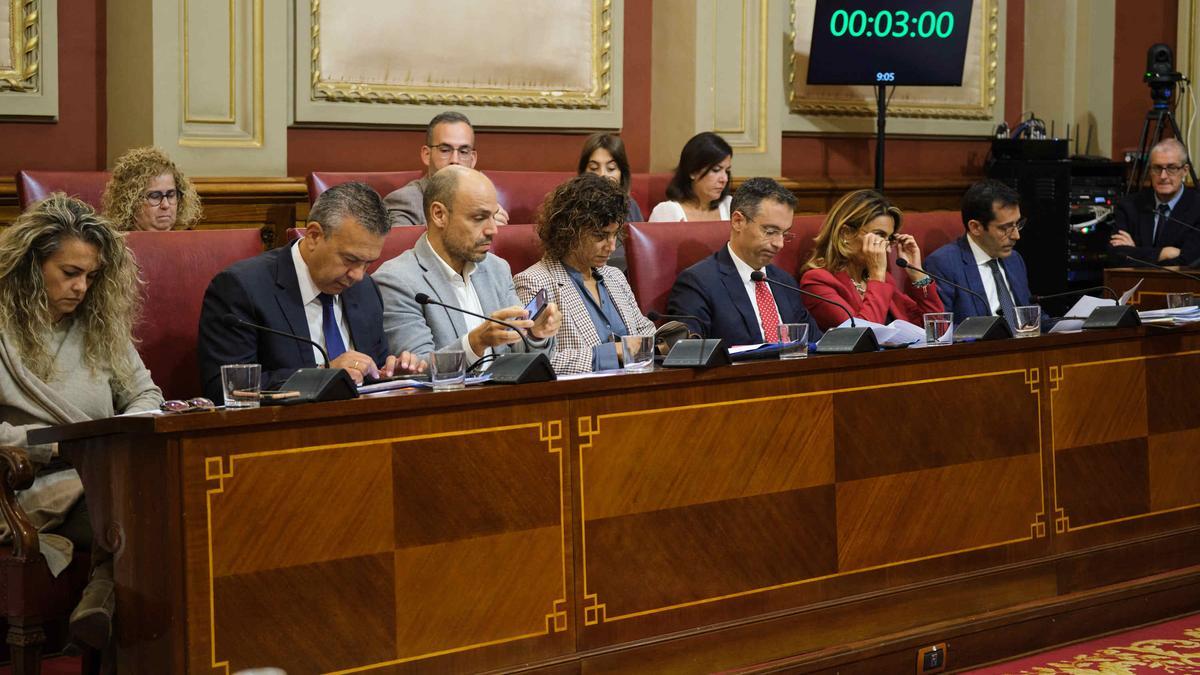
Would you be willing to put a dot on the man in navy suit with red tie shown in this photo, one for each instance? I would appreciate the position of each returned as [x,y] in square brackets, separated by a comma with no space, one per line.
[718,290]
[1152,224]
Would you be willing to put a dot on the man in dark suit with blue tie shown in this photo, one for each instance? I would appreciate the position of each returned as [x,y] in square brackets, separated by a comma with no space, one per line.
[984,258]
[1152,224]
[718,290]
[316,288]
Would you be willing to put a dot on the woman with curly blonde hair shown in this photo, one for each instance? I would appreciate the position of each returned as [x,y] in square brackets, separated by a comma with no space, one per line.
[148,192]
[68,300]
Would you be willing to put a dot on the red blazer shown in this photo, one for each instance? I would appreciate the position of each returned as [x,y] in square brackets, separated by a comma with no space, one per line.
[881,299]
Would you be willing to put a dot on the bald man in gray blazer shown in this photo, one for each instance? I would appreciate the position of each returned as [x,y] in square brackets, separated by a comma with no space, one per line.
[451,263]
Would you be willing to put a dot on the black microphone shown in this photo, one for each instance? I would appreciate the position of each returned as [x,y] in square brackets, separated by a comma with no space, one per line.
[233,321]
[1193,277]
[1173,219]
[757,275]
[904,264]
[423,299]
[1078,291]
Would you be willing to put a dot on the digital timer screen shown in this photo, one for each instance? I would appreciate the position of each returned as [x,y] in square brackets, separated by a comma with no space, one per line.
[906,42]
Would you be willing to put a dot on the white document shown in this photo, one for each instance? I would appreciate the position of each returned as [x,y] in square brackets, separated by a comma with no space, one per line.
[1129,293]
[898,332]
[1082,308]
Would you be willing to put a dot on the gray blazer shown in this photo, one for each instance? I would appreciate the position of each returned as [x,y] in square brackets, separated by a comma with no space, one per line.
[406,206]
[422,329]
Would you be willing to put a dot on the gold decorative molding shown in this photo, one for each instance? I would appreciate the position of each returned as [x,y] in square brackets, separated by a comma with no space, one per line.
[366,92]
[979,109]
[24,47]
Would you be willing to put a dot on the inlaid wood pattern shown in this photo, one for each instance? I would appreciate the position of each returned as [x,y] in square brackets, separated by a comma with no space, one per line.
[728,451]
[454,594]
[347,603]
[286,509]
[468,485]
[1175,470]
[1099,403]
[896,429]
[652,560]
[921,513]
[1173,393]
[1103,482]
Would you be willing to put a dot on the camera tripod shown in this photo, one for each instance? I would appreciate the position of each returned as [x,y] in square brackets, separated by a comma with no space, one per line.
[1162,118]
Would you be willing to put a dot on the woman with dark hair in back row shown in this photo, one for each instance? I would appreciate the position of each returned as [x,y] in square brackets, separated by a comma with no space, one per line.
[604,155]
[700,188]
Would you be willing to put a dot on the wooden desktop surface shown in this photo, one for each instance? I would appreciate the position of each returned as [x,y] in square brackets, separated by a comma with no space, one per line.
[675,521]
[1152,294]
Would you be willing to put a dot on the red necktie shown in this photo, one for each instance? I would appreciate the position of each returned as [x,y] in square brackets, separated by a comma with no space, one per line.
[768,315]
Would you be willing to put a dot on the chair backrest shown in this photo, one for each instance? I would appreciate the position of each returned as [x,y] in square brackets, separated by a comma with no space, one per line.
[658,252]
[399,240]
[384,182]
[34,186]
[648,189]
[522,192]
[932,230]
[519,245]
[177,268]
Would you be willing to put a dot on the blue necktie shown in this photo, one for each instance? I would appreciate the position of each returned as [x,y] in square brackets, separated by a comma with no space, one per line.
[1006,300]
[333,336]
[1164,211]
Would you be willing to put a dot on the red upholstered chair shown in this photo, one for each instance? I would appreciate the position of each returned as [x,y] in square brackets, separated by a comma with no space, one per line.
[795,252]
[648,189]
[658,252]
[383,181]
[34,186]
[399,240]
[519,245]
[177,267]
[932,230]
[522,192]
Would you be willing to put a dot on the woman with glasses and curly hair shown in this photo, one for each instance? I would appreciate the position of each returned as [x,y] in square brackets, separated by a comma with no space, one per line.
[849,265]
[148,192]
[579,225]
[68,299]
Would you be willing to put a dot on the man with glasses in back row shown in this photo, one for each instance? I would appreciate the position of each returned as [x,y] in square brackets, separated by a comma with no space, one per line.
[984,259]
[1152,224]
[719,292]
[449,139]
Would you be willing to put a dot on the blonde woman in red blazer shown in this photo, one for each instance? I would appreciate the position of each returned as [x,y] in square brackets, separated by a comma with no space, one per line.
[849,265]
[579,225]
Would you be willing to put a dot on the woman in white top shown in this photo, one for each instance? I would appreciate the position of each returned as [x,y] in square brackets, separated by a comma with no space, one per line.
[699,190]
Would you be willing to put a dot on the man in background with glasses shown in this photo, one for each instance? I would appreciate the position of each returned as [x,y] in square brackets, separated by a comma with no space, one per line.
[984,259]
[719,291]
[1152,224]
[449,139]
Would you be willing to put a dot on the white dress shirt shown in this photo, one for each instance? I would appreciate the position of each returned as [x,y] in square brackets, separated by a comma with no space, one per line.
[465,298]
[314,312]
[982,259]
[744,270]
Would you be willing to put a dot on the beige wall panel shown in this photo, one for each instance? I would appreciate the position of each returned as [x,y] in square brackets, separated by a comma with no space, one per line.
[673,75]
[210,59]
[29,58]
[540,63]
[1187,61]
[973,109]
[132,86]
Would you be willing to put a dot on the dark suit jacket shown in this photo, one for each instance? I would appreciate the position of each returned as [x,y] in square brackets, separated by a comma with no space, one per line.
[264,290]
[955,262]
[1135,214]
[712,291]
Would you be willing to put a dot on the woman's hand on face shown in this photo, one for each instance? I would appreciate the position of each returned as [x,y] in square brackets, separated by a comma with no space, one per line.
[875,251]
[907,249]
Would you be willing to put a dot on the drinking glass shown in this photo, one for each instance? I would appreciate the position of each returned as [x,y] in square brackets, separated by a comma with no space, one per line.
[241,383]
[794,338]
[639,352]
[448,369]
[1029,321]
[1175,300]
[939,328]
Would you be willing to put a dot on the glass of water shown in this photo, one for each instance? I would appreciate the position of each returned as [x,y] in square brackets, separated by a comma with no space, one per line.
[939,328]
[1028,321]
[794,338]
[241,383]
[1176,300]
[639,352]
[448,368]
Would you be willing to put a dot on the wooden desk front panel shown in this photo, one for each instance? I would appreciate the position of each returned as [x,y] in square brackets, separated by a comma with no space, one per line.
[380,543]
[705,504]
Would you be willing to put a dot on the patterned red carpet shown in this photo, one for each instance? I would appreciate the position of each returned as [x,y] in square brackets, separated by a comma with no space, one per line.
[1161,649]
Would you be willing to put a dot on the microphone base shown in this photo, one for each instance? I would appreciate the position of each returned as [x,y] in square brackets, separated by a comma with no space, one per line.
[1122,316]
[979,328]
[847,341]
[318,385]
[522,368]
[697,353]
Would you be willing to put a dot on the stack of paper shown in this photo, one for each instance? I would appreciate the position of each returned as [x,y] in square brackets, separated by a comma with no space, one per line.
[898,332]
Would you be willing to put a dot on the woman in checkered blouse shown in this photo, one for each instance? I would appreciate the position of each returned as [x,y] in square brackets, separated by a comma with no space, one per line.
[579,225]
